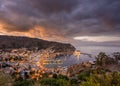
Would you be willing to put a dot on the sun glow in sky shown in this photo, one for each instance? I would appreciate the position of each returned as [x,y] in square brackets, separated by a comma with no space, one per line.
[97,38]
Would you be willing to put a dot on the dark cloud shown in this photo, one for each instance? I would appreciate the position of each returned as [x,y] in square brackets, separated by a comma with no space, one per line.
[28,13]
[67,17]
[45,6]
[53,6]
[100,17]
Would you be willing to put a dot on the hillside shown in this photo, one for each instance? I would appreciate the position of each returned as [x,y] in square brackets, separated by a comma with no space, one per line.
[15,42]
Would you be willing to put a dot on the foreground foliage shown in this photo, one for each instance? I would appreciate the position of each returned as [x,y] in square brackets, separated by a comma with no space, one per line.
[57,81]
[103,80]
[95,79]
[5,80]
[98,76]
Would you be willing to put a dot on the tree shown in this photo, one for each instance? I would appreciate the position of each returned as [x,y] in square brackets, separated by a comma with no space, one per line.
[116,56]
[100,59]
[103,59]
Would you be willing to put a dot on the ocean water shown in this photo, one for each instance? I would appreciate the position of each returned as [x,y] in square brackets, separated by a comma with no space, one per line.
[93,50]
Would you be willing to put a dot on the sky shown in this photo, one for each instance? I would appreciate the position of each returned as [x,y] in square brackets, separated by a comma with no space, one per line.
[80,22]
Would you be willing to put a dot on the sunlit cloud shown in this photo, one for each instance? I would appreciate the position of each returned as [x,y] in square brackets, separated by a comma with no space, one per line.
[35,32]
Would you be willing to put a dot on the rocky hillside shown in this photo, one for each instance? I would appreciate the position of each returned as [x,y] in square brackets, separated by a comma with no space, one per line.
[15,42]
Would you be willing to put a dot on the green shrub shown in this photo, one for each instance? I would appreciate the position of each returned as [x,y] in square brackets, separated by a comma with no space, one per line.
[24,83]
[5,79]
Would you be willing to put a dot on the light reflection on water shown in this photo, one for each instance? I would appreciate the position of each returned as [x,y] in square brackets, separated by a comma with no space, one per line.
[93,50]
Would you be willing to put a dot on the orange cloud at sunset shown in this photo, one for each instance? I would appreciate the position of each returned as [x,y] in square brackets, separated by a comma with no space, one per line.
[36,32]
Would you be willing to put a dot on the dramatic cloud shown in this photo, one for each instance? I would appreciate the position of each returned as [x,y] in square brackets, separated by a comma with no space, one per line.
[60,19]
